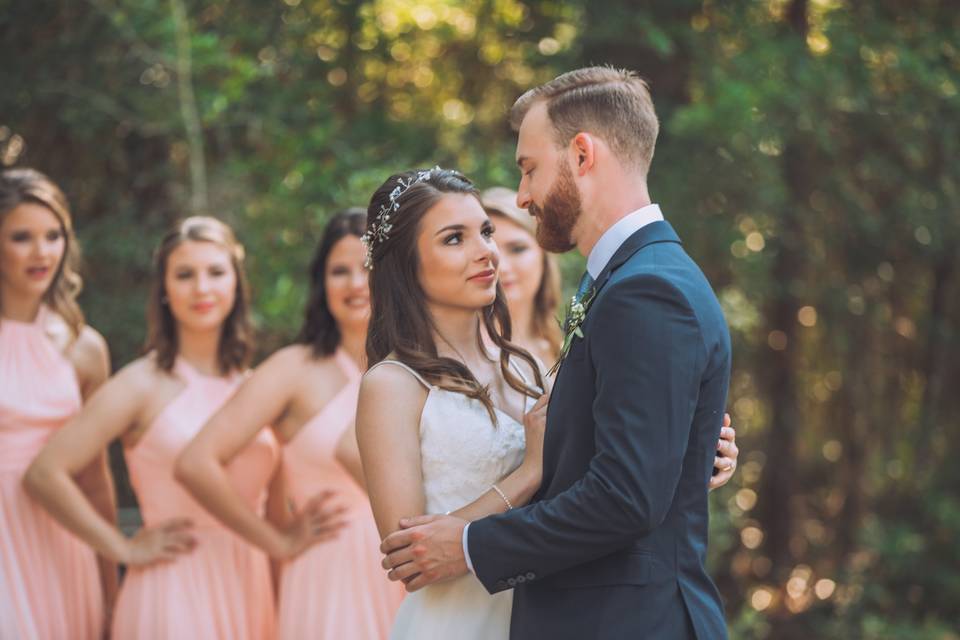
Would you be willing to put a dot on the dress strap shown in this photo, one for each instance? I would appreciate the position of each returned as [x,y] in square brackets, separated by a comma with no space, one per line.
[185,370]
[408,368]
[347,365]
[519,370]
[189,374]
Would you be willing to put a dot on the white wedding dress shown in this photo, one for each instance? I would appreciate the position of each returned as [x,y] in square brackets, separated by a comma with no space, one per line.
[462,454]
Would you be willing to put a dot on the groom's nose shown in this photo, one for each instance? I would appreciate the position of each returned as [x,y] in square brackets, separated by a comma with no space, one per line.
[523,197]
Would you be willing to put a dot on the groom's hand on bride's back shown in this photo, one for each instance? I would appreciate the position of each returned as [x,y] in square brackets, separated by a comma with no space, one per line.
[725,462]
[427,549]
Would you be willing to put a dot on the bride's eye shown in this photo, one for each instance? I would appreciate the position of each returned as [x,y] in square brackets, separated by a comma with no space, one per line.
[453,238]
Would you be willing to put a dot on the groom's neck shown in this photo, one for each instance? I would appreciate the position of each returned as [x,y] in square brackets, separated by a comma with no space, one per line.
[610,203]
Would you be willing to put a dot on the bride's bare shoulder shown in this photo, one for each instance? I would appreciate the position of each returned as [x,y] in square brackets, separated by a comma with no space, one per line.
[390,377]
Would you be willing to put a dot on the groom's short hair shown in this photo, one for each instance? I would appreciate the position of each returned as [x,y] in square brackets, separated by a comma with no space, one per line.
[613,104]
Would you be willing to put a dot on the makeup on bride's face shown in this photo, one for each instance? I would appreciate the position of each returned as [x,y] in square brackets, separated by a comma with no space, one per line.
[459,260]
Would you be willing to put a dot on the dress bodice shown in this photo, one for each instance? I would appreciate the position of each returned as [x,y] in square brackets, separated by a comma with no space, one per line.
[310,464]
[462,452]
[39,391]
[152,459]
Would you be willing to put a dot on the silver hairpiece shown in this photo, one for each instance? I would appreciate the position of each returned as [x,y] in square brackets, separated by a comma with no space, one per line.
[379,231]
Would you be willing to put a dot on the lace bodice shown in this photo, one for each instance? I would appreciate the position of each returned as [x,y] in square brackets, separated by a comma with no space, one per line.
[461,452]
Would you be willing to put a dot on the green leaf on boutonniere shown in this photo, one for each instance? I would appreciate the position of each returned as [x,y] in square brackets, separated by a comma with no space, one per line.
[576,313]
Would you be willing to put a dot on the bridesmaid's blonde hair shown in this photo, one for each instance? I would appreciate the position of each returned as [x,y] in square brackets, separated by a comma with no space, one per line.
[23,185]
[236,339]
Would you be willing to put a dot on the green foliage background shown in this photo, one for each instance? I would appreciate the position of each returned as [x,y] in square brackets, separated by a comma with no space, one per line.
[808,157]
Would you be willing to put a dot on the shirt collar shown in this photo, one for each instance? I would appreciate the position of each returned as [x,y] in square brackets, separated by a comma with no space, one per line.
[616,235]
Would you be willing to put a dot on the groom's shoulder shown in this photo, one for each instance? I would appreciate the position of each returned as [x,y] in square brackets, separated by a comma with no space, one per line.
[662,274]
[634,287]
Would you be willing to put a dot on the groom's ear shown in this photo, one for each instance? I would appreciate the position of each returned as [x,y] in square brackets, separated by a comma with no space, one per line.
[584,149]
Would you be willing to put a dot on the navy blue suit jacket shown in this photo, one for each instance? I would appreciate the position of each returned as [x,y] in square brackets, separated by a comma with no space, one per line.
[614,543]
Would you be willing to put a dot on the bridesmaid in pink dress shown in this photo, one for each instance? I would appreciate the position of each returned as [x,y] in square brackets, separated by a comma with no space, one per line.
[50,585]
[308,392]
[188,576]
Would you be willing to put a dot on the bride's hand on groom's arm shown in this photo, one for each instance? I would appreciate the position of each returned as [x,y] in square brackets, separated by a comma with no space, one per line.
[426,550]
[725,462]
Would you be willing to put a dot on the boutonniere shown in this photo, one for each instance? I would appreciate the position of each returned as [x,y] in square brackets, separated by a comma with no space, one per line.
[576,313]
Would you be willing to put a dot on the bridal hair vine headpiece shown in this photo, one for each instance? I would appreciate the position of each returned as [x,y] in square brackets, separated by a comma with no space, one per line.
[379,231]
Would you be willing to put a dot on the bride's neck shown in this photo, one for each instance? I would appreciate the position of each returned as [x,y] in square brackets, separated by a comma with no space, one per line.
[456,333]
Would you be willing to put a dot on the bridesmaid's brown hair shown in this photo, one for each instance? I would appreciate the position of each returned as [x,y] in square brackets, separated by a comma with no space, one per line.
[320,331]
[236,339]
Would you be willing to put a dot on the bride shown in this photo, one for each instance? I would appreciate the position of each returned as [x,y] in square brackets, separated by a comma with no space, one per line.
[451,414]
[449,419]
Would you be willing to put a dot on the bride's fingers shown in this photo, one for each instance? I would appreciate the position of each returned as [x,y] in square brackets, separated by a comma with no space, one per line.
[727,449]
[728,433]
[725,465]
[726,468]
[541,402]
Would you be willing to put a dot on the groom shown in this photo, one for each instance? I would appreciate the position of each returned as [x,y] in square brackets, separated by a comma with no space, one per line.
[614,543]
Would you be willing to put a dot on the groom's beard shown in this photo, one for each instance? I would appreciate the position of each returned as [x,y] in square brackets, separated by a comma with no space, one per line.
[559,214]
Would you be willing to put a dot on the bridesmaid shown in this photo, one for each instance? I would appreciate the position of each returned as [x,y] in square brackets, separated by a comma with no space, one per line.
[308,392]
[188,576]
[530,278]
[50,361]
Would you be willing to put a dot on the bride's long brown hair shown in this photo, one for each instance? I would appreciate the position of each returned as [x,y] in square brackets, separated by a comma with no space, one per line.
[400,320]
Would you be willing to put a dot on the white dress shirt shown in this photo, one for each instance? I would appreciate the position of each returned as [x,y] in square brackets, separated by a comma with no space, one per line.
[614,237]
[611,240]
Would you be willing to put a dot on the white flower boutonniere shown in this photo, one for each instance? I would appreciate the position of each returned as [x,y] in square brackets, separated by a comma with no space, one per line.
[576,313]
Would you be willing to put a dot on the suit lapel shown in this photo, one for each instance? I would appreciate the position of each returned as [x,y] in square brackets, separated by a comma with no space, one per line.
[659,231]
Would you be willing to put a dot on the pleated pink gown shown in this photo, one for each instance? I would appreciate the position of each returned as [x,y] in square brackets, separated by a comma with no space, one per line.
[222,589]
[334,590]
[49,579]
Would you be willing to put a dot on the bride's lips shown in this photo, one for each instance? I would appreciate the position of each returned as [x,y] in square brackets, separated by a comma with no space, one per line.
[485,277]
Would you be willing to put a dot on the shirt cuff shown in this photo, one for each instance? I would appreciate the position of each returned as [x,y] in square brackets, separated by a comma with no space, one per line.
[466,551]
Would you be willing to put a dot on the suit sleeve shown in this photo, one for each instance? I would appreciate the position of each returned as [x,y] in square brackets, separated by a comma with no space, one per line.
[648,355]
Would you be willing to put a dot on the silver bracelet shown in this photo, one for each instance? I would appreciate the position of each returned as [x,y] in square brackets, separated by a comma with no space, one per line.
[502,495]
